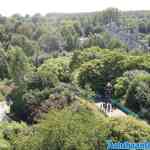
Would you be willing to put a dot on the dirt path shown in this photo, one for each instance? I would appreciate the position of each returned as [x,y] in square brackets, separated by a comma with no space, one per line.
[116,113]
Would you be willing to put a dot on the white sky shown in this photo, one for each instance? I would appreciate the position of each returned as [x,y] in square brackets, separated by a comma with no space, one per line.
[9,7]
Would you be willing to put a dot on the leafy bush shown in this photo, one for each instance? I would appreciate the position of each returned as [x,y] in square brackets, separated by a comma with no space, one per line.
[54,70]
[96,67]
[115,43]
[121,86]
[92,40]
[2,97]
[26,104]
[3,65]
[29,105]
[131,74]
[122,83]
[98,72]
[129,129]
[66,129]
[81,129]
[19,67]
[138,95]
[8,131]
[81,56]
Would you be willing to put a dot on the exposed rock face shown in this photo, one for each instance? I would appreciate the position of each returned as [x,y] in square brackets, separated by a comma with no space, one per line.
[4,109]
[130,37]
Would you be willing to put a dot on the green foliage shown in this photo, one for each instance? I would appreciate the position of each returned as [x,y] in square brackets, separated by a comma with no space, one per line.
[67,130]
[18,104]
[149,41]
[102,40]
[70,34]
[51,42]
[50,93]
[133,73]
[142,27]
[98,72]
[8,131]
[29,105]
[25,28]
[71,135]
[129,129]
[138,95]
[54,70]
[3,64]
[2,97]
[122,83]
[29,47]
[115,43]
[81,129]
[18,64]
[121,86]
[81,56]
[109,15]
[93,40]
[96,67]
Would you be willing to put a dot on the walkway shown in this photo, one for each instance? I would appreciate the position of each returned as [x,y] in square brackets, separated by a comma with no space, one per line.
[115,111]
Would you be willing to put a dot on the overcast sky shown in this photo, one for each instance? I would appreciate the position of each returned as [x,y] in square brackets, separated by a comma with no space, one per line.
[9,7]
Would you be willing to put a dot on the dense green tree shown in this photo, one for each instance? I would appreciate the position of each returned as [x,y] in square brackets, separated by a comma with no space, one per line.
[8,131]
[29,47]
[142,27]
[100,71]
[138,96]
[55,70]
[129,129]
[51,42]
[70,35]
[18,64]
[110,15]
[123,83]
[61,131]
[47,78]
[3,64]
[82,129]
[121,86]
[25,28]
[81,56]
[115,43]
[94,40]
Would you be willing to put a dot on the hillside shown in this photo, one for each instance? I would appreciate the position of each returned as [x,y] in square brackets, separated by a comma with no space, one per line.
[53,66]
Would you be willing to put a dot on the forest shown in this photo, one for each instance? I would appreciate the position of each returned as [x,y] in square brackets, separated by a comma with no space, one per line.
[50,68]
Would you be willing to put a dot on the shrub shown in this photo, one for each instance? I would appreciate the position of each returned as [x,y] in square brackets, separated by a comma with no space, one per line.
[81,56]
[3,65]
[54,70]
[115,43]
[98,72]
[122,83]
[138,95]
[82,129]
[26,104]
[121,86]
[129,129]
[29,105]
[95,67]
[131,74]
[8,131]
[66,129]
